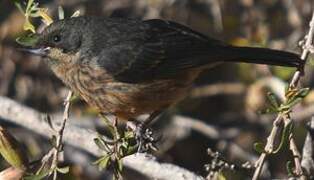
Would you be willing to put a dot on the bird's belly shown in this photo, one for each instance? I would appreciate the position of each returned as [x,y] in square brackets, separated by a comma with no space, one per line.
[131,100]
[127,100]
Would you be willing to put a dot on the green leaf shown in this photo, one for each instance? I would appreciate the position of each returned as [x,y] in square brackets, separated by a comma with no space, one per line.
[17,3]
[11,150]
[289,104]
[101,144]
[129,134]
[120,165]
[39,176]
[284,137]
[272,110]
[74,98]
[259,147]
[29,40]
[131,150]
[43,13]
[104,163]
[272,99]
[63,170]
[303,92]
[100,159]
[221,176]
[48,120]
[296,98]
[28,26]
[30,4]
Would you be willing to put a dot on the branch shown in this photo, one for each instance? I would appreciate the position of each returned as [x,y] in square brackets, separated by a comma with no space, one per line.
[14,112]
[295,152]
[59,135]
[293,84]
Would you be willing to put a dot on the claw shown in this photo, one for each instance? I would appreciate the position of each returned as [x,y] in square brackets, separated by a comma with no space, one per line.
[145,139]
[143,134]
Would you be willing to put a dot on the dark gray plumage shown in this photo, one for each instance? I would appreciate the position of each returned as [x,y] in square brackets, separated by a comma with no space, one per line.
[131,67]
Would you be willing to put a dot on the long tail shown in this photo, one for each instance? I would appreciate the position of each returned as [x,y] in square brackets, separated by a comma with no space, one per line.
[261,56]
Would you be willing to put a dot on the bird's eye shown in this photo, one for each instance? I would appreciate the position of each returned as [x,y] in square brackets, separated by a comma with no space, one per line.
[56,38]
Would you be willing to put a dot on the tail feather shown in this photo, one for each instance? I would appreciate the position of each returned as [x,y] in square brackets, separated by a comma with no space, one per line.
[262,56]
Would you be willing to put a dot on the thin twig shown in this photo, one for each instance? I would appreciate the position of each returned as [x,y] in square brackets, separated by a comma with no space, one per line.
[295,152]
[297,158]
[268,148]
[59,145]
[54,153]
[293,84]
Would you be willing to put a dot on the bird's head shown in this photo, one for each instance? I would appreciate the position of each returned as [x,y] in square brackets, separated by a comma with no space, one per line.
[60,42]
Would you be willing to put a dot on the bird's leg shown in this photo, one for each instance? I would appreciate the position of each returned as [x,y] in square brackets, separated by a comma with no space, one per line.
[144,135]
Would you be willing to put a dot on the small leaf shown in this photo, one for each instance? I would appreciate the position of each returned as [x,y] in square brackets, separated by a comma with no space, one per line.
[63,170]
[11,150]
[295,97]
[284,137]
[131,150]
[290,92]
[303,92]
[43,13]
[104,163]
[120,165]
[30,4]
[122,149]
[29,40]
[18,5]
[272,99]
[100,159]
[60,12]
[48,120]
[28,26]
[100,144]
[74,98]
[108,125]
[272,110]
[39,176]
[129,134]
[221,176]
[289,104]
[259,147]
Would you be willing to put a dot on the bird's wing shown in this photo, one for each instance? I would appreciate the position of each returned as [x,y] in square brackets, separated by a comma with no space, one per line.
[159,50]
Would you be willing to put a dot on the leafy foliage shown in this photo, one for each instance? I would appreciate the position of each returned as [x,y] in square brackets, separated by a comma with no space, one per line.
[122,145]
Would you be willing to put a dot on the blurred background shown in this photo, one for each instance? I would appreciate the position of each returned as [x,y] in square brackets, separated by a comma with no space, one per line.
[223,111]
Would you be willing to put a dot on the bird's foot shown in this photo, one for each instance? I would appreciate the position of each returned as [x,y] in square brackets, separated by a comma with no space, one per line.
[144,137]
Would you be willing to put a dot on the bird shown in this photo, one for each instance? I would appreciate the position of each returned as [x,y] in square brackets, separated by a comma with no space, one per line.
[129,67]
